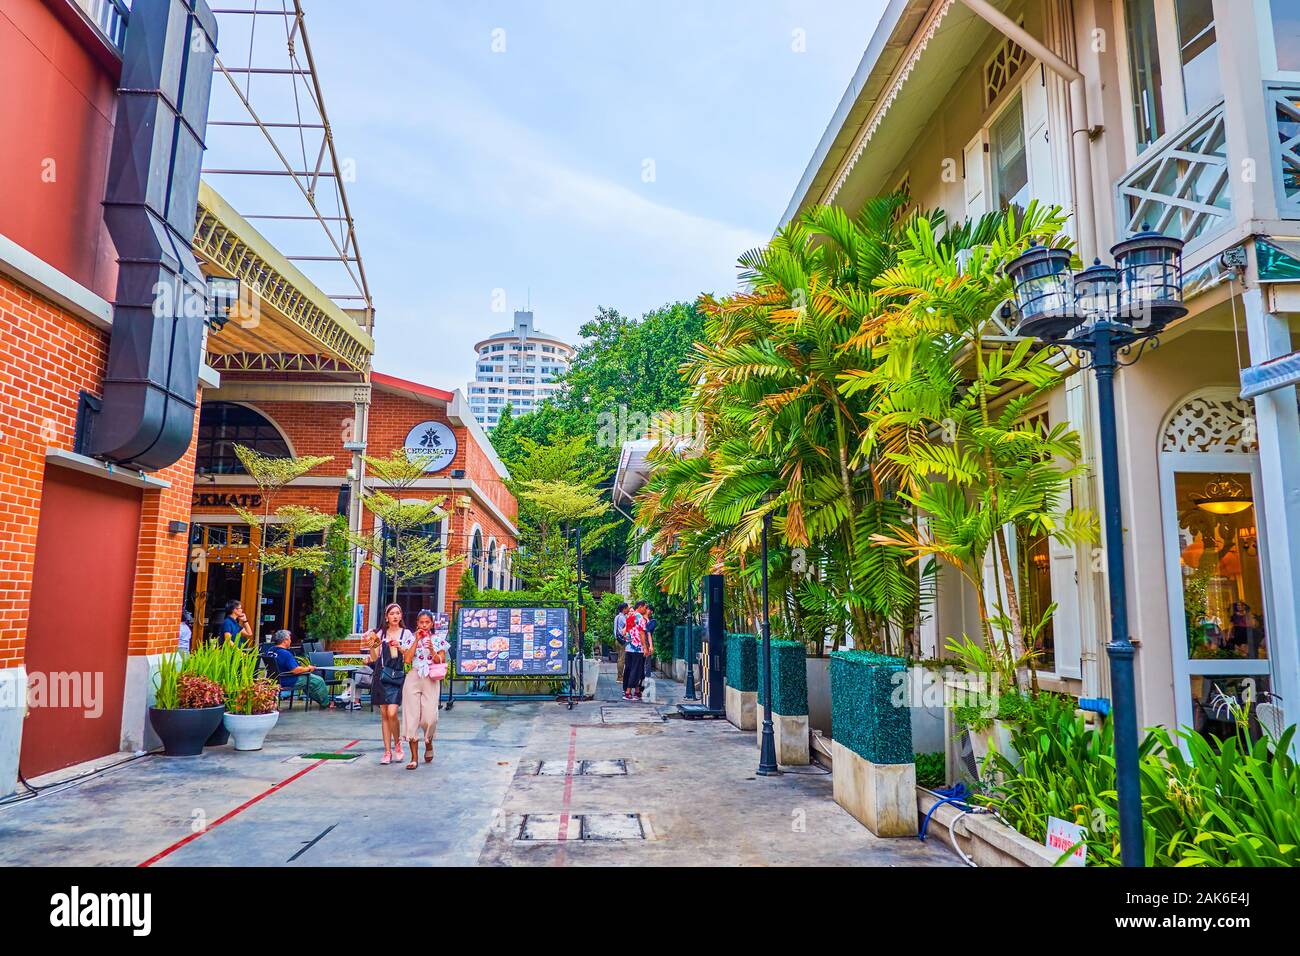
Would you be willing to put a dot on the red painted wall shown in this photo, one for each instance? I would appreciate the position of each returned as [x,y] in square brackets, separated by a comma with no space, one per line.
[57,108]
[80,619]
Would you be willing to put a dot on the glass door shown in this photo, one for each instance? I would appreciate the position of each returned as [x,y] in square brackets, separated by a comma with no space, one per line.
[1218,600]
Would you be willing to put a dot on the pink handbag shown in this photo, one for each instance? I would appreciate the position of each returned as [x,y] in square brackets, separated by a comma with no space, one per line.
[437,671]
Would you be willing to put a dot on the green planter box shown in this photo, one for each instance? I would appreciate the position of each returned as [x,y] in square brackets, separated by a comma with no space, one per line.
[789,677]
[742,662]
[863,717]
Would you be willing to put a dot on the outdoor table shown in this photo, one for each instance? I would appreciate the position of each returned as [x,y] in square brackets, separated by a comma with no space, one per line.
[350,669]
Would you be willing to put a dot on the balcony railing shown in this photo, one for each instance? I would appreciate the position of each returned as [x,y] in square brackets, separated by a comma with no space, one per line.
[1181,186]
[1283,102]
[109,17]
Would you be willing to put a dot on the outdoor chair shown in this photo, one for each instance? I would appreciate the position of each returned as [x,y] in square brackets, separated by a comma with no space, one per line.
[273,673]
[326,659]
[313,646]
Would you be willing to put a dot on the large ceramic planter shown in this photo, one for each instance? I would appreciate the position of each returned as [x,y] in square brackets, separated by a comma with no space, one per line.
[184,731]
[219,737]
[249,730]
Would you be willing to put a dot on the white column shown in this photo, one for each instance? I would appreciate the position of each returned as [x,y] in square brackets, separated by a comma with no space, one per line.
[1278,422]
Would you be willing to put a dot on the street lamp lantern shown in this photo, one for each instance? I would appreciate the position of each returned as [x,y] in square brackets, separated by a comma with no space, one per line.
[1102,313]
[1096,293]
[1044,295]
[1150,267]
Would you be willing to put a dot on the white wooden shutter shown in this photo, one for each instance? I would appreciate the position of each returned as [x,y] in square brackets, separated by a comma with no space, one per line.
[974,168]
[927,632]
[1038,148]
[1065,594]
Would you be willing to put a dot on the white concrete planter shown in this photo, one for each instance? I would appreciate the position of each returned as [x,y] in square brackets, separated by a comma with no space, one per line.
[248,731]
[819,693]
[997,737]
[590,675]
[980,836]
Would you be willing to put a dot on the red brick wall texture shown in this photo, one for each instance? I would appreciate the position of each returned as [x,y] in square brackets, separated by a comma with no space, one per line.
[47,357]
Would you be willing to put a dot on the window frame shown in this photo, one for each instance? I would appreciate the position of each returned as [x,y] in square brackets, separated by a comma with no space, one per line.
[1173,94]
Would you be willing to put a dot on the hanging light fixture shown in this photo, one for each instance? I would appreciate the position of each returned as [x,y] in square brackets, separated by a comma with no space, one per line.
[1223,496]
[1150,267]
[1044,296]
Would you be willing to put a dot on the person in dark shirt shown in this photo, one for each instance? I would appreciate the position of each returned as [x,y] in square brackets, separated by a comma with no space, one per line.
[236,626]
[293,674]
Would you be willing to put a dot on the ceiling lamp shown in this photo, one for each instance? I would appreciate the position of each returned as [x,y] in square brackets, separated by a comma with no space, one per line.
[1223,496]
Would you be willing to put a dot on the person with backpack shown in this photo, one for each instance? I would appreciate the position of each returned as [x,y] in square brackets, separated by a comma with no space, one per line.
[620,621]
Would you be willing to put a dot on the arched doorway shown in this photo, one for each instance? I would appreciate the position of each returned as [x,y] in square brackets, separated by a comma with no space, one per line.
[1215,544]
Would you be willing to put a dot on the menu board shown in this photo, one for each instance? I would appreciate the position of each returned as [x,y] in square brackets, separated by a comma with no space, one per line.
[505,641]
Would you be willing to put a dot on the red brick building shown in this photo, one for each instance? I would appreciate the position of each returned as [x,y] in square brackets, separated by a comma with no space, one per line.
[111,524]
[477,531]
[92,553]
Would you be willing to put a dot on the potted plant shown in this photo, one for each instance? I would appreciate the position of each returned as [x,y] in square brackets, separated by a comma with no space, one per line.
[251,712]
[187,708]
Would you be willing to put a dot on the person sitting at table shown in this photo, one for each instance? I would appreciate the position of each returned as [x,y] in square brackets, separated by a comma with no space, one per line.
[294,674]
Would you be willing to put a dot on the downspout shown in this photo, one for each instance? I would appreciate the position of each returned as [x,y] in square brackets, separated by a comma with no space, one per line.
[1084,213]
[145,419]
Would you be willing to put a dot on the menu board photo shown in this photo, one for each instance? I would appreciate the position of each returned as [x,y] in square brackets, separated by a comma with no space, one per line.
[512,641]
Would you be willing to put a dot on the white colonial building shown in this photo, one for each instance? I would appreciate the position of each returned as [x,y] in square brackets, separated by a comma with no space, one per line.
[519,367]
[1183,115]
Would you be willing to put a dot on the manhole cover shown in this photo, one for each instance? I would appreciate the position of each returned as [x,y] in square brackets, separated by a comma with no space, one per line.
[630,715]
[596,827]
[612,826]
[549,827]
[553,768]
[604,768]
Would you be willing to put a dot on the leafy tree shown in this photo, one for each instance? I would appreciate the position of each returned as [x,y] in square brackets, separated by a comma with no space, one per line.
[276,546]
[331,599]
[406,556]
[953,419]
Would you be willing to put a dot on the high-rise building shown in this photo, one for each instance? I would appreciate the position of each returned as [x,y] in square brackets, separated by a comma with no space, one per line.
[519,367]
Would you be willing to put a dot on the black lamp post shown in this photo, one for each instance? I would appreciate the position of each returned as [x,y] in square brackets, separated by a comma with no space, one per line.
[767,765]
[690,644]
[1103,312]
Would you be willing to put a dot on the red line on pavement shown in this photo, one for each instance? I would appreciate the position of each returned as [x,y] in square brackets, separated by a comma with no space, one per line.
[568,788]
[238,810]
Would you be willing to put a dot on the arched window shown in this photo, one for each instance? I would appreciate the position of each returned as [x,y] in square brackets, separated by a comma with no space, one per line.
[421,594]
[222,425]
[476,557]
[492,564]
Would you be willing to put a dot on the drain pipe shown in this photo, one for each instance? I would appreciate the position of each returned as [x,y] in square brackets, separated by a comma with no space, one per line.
[1084,214]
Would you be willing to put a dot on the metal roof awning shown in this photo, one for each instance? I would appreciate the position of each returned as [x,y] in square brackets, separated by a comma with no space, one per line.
[284,313]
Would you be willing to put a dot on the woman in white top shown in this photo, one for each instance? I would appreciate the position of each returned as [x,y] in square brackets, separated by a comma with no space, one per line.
[420,693]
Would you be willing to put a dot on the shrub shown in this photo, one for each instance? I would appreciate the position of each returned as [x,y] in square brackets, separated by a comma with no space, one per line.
[193,692]
[261,696]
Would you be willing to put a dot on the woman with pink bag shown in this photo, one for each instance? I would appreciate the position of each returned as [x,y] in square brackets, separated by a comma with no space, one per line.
[427,657]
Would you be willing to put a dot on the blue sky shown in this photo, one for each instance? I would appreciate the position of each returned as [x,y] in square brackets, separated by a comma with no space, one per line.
[617,154]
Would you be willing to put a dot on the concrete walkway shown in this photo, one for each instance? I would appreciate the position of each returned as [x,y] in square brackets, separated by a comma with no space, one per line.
[607,783]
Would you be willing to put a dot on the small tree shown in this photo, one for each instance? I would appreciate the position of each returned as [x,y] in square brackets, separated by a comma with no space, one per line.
[278,529]
[406,557]
[331,599]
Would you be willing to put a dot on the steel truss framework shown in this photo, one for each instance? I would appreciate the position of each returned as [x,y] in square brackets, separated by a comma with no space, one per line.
[299,145]
[275,362]
[219,245]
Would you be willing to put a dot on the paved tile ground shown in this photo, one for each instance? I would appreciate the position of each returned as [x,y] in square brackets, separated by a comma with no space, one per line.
[688,796]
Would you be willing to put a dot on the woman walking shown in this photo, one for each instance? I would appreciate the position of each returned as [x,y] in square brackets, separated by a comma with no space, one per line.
[422,689]
[387,658]
[634,639]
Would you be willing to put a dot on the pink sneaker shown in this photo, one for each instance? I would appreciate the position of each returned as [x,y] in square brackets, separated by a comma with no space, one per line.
[387,757]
